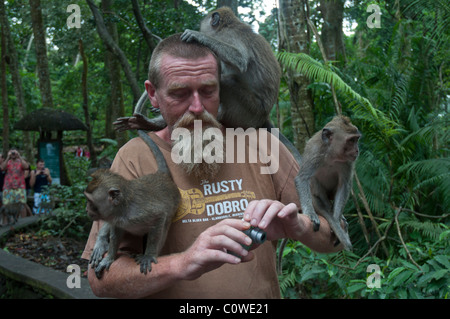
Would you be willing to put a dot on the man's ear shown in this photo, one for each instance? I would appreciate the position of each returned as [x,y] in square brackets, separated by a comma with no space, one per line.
[151,92]
[114,196]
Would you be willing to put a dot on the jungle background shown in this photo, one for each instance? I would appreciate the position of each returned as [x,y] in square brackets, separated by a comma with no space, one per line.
[387,68]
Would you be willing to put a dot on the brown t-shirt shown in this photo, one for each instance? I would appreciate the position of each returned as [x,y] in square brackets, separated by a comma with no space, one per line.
[206,202]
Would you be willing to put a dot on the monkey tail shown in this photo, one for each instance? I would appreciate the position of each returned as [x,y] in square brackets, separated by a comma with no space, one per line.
[160,161]
[140,104]
[139,108]
[280,255]
[283,139]
[341,234]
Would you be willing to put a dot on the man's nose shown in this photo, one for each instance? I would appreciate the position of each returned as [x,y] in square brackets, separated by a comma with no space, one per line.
[196,106]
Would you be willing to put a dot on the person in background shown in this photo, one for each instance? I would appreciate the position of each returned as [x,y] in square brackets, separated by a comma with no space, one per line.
[79,152]
[40,177]
[14,190]
[2,179]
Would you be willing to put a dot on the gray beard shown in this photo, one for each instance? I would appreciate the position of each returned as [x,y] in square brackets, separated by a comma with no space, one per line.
[202,170]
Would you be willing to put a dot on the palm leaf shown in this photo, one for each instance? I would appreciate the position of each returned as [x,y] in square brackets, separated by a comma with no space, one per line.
[315,71]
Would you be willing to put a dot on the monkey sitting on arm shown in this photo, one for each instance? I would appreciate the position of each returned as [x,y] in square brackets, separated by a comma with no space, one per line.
[141,206]
[326,174]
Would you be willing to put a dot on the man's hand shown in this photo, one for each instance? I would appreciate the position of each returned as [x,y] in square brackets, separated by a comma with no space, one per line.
[278,220]
[209,251]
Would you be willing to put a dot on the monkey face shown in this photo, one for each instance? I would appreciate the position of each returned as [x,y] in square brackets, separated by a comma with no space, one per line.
[97,205]
[351,149]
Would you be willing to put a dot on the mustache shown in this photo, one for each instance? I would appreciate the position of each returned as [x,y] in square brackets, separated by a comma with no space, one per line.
[203,169]
[187,120]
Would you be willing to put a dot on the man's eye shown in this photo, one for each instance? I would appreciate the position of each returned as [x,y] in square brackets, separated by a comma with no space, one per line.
[178,94]
[208,91]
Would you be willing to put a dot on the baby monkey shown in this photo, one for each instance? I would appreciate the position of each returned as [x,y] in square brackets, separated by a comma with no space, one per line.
[142,206]
[326,174]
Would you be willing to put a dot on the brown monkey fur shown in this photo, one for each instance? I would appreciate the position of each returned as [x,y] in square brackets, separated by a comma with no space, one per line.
[143,206]
[326,174]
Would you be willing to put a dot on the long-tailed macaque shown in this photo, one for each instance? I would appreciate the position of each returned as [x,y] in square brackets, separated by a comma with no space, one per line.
[250,74]
[326,174]
[11,212]
[143,206]
[249,81]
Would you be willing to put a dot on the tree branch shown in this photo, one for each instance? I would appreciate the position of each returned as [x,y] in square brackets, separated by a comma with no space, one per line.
[114,48]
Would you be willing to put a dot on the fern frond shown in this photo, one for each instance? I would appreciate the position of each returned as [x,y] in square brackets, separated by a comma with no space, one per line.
[426,228]
[315,71]
[433,167]
[287,280]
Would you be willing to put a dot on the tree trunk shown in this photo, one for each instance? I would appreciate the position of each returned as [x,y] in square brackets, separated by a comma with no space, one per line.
[87,118]
[41,53]
[4,91]
[332,34]
[16,79]
[112,46]
[148,36]
[233,4]
[116,106]
[294,37]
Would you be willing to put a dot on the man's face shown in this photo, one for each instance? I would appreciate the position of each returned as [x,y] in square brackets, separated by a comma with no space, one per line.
[187,86]
[40,165]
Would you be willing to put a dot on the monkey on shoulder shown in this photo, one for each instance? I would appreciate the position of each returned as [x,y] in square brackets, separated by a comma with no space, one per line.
[325,177]
[142,206]
[250,73]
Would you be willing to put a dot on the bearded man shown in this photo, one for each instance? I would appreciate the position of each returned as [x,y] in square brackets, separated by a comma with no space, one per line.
[219,200]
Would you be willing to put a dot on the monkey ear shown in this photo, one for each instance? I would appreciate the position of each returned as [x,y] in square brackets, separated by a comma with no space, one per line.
[88,196]
[113,195]
[215,19]
[326,135]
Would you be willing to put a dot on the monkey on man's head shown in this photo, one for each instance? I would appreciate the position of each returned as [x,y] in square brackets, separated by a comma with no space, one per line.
[142,206]
[250,74]
[326,174]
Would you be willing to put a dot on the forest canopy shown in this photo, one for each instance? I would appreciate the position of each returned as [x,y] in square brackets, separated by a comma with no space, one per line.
[385,64]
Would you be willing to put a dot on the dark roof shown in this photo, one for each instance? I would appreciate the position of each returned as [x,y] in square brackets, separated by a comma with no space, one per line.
[47,119]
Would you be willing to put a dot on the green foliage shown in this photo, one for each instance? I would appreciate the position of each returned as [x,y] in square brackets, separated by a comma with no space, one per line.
[69,216]
[394,85]
[345,275]
[404,163]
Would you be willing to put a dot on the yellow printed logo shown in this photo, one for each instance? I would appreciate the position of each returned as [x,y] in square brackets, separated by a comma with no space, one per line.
[226,200]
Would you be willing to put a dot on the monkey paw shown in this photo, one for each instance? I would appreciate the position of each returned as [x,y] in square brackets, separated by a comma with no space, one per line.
[97,255]
[104,264]
[315,220]
[146,263]
[189,35]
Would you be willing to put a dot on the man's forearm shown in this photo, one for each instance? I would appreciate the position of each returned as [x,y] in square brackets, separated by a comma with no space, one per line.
[321,241]
[124,279]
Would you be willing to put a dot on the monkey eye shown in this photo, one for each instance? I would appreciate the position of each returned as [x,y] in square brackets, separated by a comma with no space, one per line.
[215,19]
[354,139]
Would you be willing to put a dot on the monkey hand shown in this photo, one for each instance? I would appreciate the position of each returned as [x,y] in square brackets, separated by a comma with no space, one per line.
[97,255]
[146,262]
[191,35]
[314,218]
[104,264]
[135,122]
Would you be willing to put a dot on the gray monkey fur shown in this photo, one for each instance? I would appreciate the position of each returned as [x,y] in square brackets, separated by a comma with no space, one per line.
[142,206]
